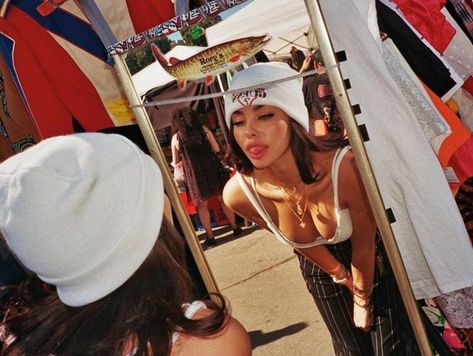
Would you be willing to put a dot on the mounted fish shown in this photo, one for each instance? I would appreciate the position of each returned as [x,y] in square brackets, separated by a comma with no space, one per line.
[211,61]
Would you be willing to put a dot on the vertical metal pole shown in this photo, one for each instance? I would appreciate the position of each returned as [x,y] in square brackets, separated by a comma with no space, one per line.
[171,190]
[369,181]
[4,8]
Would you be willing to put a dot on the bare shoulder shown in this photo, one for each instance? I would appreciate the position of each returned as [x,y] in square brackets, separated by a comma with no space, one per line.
[350,184]
[348,167]
[232,340]
[233,195]
[235,198]
[174,141]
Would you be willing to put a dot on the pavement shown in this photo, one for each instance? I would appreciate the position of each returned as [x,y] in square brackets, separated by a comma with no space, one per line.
[261,278]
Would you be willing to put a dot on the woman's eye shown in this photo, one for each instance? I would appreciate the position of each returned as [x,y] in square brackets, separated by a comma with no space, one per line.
[266,116]
[237,122]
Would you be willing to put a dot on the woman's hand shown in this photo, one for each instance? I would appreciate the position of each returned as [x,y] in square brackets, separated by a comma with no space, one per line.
[362,317]
[306,65]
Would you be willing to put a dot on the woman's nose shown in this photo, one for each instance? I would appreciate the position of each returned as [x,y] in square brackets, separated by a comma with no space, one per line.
[250,130]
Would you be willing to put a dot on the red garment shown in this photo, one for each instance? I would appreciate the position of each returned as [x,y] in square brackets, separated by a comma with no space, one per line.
[426,18]
[468,85]
[146,14]
[52,85]
[462,161]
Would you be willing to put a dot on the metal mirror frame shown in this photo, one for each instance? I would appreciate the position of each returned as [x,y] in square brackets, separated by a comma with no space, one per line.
[343,103]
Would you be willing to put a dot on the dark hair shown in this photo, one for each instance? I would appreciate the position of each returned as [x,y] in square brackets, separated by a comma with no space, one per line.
[301,144]
[141,315]
[186,124]
[317,57]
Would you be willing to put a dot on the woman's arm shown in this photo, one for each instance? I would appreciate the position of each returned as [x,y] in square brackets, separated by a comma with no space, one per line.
[363,238]
[213,142]
[236,200]
[176,157]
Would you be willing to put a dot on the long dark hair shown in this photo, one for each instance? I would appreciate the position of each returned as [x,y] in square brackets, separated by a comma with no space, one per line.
[140,316]
[186,124]
[301,145]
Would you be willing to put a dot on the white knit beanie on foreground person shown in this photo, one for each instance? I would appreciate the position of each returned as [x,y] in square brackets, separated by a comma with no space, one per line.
[82,211]
[286,95]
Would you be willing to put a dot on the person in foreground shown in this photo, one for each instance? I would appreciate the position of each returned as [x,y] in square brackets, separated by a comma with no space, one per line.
[85,213]
[311,197]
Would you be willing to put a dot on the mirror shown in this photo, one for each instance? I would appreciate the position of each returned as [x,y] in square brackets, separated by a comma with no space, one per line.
[183,85]
[262,294]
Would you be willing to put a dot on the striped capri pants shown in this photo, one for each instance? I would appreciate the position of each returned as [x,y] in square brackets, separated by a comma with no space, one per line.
[390,334]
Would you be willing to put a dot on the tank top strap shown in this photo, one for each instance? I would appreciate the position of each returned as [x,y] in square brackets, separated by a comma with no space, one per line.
[337,160]
[258,205]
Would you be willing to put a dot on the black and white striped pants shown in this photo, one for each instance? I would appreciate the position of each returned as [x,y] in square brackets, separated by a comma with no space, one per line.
[391,333]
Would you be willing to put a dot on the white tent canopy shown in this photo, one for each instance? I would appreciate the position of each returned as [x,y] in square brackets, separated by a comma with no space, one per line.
[286,21]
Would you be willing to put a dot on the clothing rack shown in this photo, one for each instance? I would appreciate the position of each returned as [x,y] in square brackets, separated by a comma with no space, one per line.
[379,211]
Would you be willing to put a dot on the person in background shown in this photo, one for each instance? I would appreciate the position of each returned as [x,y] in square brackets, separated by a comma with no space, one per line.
[312,198]
[194,147]
[84,212]
[319,100]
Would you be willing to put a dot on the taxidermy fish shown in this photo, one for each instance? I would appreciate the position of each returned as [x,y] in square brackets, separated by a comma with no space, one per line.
[211,61]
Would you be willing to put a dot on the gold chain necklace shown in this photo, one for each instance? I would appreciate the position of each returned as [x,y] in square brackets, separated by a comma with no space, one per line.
[299,213]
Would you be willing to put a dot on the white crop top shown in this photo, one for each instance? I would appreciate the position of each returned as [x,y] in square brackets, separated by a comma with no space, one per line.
[344,223]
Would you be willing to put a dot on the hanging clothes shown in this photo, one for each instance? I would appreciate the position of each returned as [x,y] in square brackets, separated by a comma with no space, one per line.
[462,11]
[465,107]
[459,53]
[460,132]
[17,130]
[146,14]
[425,63]
[468,85]
[462,161]
[408,173]
[435,128]
[426,17]
[54,88]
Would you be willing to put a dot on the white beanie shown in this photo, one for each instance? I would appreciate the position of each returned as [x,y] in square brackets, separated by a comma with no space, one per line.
[81,211]
[286,95]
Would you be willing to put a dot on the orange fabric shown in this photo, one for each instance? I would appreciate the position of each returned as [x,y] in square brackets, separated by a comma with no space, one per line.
[453,105]
[460,133]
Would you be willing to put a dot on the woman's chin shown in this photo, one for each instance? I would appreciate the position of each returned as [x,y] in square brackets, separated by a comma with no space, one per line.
[259,164]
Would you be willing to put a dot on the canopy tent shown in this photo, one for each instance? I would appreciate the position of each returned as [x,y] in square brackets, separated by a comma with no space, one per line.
[286,21]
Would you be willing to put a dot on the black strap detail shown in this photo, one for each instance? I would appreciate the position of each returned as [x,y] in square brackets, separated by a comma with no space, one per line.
[341,56]
[364,132]
[356,109]
[390,214]
[347,84]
